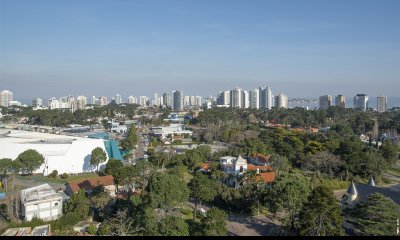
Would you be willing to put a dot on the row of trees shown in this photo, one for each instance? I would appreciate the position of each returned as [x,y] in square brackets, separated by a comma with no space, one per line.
[131,140]
[25,163]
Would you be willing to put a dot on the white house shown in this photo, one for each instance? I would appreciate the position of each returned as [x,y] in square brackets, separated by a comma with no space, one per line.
[233,165]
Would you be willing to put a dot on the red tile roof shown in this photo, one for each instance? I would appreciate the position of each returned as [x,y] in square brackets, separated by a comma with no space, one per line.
[251,167]
[267,177]
[205,166]
[91,183]
[262,158]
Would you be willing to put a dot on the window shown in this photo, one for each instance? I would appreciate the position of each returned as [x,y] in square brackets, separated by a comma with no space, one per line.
[56,204]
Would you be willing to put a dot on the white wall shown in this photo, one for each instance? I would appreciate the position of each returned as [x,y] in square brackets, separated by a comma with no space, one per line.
[65,158]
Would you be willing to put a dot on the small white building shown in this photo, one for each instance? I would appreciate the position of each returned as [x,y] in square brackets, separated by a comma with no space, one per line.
[41,201]
[170,131]
[233,165]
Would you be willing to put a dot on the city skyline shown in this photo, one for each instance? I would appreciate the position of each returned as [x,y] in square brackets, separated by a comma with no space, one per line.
[302,49]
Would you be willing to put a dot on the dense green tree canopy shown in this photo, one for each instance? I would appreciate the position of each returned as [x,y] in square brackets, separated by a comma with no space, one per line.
[202,188]
[98,157]
[6,167]
[29,161]
[214,224]
[173,226]
[320,215]
[167,190]
[377,216]
[288,193]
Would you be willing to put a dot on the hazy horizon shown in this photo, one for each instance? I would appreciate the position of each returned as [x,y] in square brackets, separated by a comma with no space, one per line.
[300,48]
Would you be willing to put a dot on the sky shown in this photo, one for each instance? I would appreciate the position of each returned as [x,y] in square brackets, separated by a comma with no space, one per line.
[140,47]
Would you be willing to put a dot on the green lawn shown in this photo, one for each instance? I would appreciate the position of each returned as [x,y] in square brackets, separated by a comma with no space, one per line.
[40,178]
[395,171]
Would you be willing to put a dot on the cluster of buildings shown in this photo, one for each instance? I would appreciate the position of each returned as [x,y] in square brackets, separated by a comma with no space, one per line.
[236,167]
[46,203]
[361,101]
[258,98]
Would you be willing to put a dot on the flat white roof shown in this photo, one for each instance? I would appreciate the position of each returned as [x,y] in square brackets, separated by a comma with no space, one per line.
[39,193]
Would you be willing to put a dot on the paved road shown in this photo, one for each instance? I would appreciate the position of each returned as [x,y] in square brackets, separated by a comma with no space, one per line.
[139,153]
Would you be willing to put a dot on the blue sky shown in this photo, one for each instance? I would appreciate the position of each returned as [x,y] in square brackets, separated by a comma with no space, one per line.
[97,47]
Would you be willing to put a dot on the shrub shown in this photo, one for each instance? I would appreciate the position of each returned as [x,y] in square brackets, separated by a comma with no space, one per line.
[92,229]
[64,176]
[53,174]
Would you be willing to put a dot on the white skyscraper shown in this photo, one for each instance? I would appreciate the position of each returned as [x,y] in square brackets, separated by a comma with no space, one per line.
[118,99]
[186,101]
[37,102]
[254,98]
[281,100]
[143,101]
[5,97]
[381,105]
[81,102]
[265,98]
[167,99]
[361,102]
[236,98]
[132,100]
[245,99]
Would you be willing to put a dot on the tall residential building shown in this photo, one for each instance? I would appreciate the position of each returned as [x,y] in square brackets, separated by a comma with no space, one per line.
[361,102]
[167,99]
[132,100]
[381,104]
[340,101]
[5,97]
[143,101]
[224,98]
[325,101]
[186,100]
[118,99]
[37,102]
[245,99]
[254,101]
[236,98]
[104,101]
[281,100]
[265,98]
[81,102]
[178,101]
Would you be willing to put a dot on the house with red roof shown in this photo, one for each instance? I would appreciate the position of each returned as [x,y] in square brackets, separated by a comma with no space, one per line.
[89,184]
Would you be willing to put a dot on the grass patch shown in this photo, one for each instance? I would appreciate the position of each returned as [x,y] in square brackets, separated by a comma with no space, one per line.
[334,184]
[39,178]
[187,177]
[395,171]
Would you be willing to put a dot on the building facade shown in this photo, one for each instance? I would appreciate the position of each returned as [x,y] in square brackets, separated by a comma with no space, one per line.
[41,202]
[236,98]
[381,104]
[325,102]
[178,101]
[37,102]
[281,101]
[361,102]
[254,100]
[5,97]
[265,98]
[340,101]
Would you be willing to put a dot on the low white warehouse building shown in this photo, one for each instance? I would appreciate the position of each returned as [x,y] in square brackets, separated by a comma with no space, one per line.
[65,154]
